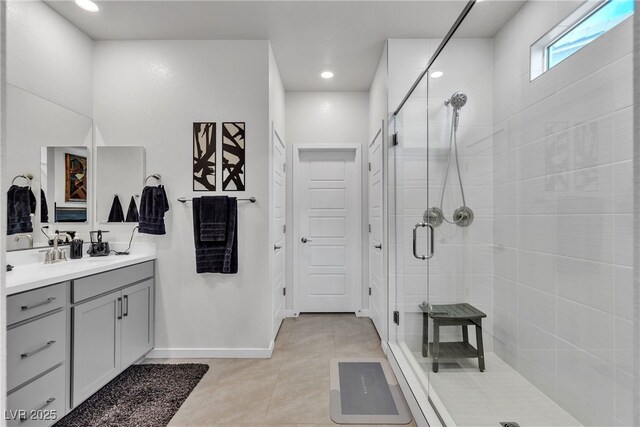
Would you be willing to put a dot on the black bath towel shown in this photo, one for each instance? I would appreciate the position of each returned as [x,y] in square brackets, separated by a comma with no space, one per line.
[21,203]
[213,218]
[116,214]
[132,212]
[153,205]
[217,257]
[44,208]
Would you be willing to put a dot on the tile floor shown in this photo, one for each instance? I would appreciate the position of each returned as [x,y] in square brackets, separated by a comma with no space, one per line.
[291,388]
[499,394]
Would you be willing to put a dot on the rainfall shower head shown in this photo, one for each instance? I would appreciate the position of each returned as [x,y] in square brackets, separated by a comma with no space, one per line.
[457,100]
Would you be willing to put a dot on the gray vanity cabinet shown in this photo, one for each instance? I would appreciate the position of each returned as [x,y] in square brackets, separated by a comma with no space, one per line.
[110,331]
[96,345]
[137,322]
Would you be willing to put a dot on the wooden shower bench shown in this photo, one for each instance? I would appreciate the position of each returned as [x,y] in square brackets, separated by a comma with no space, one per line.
[452,315]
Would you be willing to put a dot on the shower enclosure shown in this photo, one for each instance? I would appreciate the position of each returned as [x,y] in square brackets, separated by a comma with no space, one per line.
[510,209]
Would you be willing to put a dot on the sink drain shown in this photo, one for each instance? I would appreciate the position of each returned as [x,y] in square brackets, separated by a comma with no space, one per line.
[510,424]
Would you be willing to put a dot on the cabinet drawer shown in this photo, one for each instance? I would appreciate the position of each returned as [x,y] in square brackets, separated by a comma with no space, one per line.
[34,347]
[32,303]
[102,283]
[40,403]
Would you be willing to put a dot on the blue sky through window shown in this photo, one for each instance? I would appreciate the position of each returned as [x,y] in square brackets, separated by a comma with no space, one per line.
[607,16]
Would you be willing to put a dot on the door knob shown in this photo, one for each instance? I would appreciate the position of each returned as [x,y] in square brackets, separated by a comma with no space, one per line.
[378,246]
[305,240]
[276,247]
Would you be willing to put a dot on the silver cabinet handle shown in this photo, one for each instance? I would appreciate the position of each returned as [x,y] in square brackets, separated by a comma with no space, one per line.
[119,308]
[38,304]
[42,347]
[305,240]
[415,249]
[126,306]
[378,246]
[276,247]
[48,402]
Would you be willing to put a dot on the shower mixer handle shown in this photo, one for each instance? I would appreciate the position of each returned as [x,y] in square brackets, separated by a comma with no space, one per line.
[429,255]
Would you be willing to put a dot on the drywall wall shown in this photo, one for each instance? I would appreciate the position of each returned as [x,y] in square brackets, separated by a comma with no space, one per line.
[149,93]
[327,118]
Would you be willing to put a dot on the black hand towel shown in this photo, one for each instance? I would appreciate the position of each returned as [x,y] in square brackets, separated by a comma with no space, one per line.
[132,212]
[153,205]
[217,257]
[21,203]
[213,218]
[116,214]
[44,208]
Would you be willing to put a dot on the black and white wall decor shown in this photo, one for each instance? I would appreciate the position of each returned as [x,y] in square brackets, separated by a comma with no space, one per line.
[233,156]
[204,157]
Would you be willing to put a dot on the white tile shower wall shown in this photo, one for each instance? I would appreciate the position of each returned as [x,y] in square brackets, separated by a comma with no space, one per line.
[562,226]
[461,270]
[149,93]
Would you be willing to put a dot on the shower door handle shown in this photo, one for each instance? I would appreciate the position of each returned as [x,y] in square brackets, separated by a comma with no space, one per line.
[415,243]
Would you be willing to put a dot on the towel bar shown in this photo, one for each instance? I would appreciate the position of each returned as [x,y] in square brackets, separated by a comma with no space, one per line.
[250,199]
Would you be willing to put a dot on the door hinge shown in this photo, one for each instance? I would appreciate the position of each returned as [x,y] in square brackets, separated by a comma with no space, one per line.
[284,229]
[369,290]
[394,139]
[369,228]
[284,291]
[396,317]
[369,166]
[284,167]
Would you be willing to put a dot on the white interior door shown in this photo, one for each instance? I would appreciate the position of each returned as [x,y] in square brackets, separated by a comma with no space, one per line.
[327,199]
[278,269]
[377,291]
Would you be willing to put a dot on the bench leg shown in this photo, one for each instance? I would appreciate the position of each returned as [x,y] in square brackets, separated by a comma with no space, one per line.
[436,344]
[465,334]
[480,348]
[425,335]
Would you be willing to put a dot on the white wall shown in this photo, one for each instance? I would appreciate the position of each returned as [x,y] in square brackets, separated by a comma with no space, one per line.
[327,118]
[563,290]
[49,95]
[149,93]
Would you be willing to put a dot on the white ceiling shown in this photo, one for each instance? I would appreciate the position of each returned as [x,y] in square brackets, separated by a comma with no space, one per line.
[346,37]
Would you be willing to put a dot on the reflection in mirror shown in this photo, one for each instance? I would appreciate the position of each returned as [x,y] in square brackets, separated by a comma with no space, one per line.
[119,181]
[64,184]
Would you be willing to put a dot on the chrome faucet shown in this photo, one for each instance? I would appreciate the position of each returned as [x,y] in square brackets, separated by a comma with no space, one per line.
[56,255]
[28,236]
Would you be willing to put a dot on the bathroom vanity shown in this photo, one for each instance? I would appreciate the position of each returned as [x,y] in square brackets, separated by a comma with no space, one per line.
[73,327]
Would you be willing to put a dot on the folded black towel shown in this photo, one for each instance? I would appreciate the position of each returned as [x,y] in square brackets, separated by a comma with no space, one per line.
[21,203]
[213,218]
[116,214]
[153,205]
[217,257]
[44,208]
[132,212]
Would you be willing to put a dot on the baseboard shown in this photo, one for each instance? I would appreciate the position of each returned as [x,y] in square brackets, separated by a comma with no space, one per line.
[291,313]
[211,353]
[362,313]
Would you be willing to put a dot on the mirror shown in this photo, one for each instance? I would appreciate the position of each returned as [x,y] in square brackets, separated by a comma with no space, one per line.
[119,181]
[64,181]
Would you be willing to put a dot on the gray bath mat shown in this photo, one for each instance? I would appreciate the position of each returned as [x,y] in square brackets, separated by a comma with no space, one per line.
[141,396]
[364,391]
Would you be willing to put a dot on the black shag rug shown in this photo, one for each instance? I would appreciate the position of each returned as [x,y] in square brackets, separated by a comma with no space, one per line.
[142,396]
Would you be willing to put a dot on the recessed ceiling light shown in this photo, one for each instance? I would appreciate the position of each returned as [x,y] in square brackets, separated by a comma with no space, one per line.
[437,74]
[87,5]
[326,74]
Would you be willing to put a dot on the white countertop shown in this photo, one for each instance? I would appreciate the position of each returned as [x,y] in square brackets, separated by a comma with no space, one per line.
[30,272]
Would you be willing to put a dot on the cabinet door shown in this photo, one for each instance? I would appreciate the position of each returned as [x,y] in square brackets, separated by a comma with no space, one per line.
[137,318]
[96,344]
